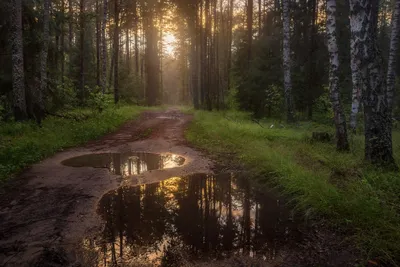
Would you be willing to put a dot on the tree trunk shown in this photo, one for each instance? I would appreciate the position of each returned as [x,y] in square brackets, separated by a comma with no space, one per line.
[70,34]
[378,123]
[62,42]
[98,37]
[230,38]
[136,26]
[394,45]
[17,56]
[104,49]
[357,90]
[39,105]
[128,53]
[259,18]
[250,28]
[116,51]
[339,118]
[82,50]
[287,81]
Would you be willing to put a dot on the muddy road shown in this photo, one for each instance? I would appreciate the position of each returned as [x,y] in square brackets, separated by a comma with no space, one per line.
[141,196]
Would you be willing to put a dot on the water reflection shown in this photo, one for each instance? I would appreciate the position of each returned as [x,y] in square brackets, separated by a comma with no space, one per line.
[191,217]
[126,164]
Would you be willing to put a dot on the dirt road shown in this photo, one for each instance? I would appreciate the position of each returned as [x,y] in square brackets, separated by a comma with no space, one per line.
[52,205]
[50,208]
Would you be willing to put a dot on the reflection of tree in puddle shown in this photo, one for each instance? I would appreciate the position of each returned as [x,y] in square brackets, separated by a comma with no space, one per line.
[191,217]
[126,164]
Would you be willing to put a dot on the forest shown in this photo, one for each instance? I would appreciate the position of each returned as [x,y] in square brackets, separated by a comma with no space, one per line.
[300,94]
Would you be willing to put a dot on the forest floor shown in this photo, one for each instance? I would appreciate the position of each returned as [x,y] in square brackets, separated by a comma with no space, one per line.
[48,210]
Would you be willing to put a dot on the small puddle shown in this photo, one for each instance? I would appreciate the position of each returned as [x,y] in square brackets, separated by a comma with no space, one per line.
[126,164]
[189,219]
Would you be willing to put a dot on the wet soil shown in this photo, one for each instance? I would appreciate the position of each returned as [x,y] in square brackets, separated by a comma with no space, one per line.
[110,203]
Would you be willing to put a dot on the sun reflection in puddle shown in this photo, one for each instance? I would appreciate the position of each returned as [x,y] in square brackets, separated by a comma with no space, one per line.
[188,218]
[126,164]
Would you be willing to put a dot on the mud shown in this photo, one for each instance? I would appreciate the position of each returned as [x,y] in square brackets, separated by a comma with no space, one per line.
[58,215]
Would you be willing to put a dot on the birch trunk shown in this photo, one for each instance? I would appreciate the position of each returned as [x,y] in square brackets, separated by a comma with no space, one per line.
[104,49]
[339,118]
[357,90]
[378,124]
[43,57]
[287,81]
[18,78]
[394,45]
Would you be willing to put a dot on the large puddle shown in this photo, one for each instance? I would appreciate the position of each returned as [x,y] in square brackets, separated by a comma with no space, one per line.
[193,218]
[126,164]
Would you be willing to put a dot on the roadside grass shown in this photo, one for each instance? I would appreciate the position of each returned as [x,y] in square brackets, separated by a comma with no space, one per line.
[25,143]
[362,200]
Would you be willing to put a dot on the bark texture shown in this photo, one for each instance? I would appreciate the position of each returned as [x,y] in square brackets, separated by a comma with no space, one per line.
[18,78]
[104,49]
[394,45]
[43,56]
[378,123]
[116,52]
[287,79]
[339,118]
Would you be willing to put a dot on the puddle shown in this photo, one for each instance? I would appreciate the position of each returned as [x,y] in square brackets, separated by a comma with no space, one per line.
[126,164]
[187,219]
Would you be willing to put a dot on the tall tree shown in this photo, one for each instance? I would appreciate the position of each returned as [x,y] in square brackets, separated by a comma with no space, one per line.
[287,62]
[339,118]
[394,45]
[250,11]
[18,77]
[62,41]
[116,51]
[104,49]
[43,59]
[377,116]
[98,40]
[82,50]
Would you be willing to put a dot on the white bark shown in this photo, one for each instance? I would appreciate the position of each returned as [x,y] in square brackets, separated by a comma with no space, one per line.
[394,44]
[17,56]
[357,90]
[339,118]
[365,52]
[287,81]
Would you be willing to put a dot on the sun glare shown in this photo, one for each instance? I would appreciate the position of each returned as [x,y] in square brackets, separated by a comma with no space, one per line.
[169,43]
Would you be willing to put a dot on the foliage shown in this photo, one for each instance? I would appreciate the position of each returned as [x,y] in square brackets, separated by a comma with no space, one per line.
[100,101]
[24,143]
[323,182]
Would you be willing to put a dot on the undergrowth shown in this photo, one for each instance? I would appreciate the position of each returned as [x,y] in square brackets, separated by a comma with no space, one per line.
[323,182]
[25,143]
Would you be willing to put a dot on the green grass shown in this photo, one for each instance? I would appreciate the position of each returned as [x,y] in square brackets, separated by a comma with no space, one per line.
[25,143]
[339,186]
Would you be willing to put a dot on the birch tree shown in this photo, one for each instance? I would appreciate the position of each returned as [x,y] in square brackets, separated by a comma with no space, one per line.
[287,81]
[377,116]
[339,118]
[357,91]
[394,45]
[18,77]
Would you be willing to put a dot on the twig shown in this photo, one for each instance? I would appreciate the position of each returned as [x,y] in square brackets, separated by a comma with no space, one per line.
[256,121]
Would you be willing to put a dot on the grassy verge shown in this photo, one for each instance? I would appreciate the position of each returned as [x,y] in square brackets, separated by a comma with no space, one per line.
[25,143]
[338,186]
